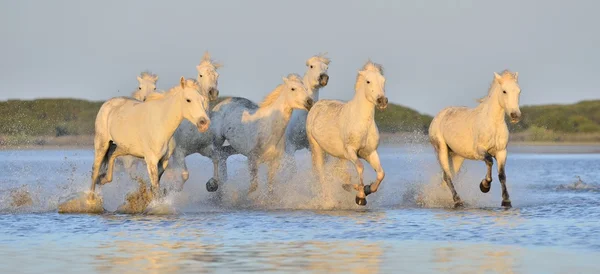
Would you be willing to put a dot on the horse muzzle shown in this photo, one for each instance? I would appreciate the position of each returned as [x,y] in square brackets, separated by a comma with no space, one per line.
[203,124]
[382,102]
[515,117]
[323,79]
[309,103]
[213,94]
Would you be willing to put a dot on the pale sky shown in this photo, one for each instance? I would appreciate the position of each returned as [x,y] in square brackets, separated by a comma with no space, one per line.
[436,53]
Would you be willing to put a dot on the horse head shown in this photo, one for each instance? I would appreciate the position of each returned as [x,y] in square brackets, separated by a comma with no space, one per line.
[208,77]
[508,94]
[371,81]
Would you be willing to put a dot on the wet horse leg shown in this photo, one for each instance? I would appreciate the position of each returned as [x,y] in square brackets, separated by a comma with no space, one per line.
[113,154]
[373,160]
[485,184]
[352,156]
[443,158]
[501,158]
[274,167]
[100,151]
[153,173]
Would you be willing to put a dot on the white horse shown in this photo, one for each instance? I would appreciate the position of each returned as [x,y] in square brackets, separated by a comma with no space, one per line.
[125,126]
[314,79]
[257,132]
[147,85]
[187,137]
[188,140]
[479,133]
[348,131]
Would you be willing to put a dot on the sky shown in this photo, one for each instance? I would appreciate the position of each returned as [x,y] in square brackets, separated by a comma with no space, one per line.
[435,53]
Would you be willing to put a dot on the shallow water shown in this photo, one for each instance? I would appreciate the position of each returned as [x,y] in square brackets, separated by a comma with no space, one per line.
[407,226]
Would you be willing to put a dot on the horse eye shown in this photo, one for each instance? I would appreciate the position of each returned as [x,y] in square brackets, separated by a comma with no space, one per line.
[140,88]
[293,89]
[200,75]
[154,88]
[311,66]
[368,82]
[188,100]
[504,91]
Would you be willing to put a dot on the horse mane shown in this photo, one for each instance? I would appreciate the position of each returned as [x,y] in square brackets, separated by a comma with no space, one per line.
[155,95]
[207,61]
[321,58]
[272,97]
[147,75]
[506,75]
[371,66]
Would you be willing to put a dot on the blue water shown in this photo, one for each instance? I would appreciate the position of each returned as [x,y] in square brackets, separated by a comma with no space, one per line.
[408,226]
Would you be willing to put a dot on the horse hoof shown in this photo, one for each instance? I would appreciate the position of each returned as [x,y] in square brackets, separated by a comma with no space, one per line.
[483,188]
[506,204]
[361,201]
[212,185]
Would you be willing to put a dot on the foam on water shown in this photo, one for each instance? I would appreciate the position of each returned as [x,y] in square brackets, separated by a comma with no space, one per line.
[414,183]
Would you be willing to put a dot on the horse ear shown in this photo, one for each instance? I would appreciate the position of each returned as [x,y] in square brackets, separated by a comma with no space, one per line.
[155,78]
[139,79]
[498,77]
[206,56]
[198,68]
[182,82]
[516,76]
[217,65]
[285,79]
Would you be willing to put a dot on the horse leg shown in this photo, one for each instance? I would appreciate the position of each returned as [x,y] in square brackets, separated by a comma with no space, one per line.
[373,160]
[352,156]
[443,158]
[485,184]
[216,156]
[112,155]
[152,166]
[501,158]
[318,159]
[100,150]
[179,161]
[253,167]
[274,167]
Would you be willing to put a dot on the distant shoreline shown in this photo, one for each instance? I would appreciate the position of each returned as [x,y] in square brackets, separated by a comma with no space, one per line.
[87,142]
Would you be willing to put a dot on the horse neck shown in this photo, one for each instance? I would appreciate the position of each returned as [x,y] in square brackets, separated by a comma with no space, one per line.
[169,114]
[491,108]
[277,123]
[360,105]
[310,88]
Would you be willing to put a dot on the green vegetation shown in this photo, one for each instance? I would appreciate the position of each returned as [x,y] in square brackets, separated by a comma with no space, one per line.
[27,121]
[396,118]
[48,117]
[579,122]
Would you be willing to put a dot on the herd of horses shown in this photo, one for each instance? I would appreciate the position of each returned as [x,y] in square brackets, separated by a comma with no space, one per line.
[162,128]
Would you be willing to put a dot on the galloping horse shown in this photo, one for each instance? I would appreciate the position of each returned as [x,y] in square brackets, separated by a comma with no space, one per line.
[147,85]
[125,126]
[258,132]
[348,131]
[479,133]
